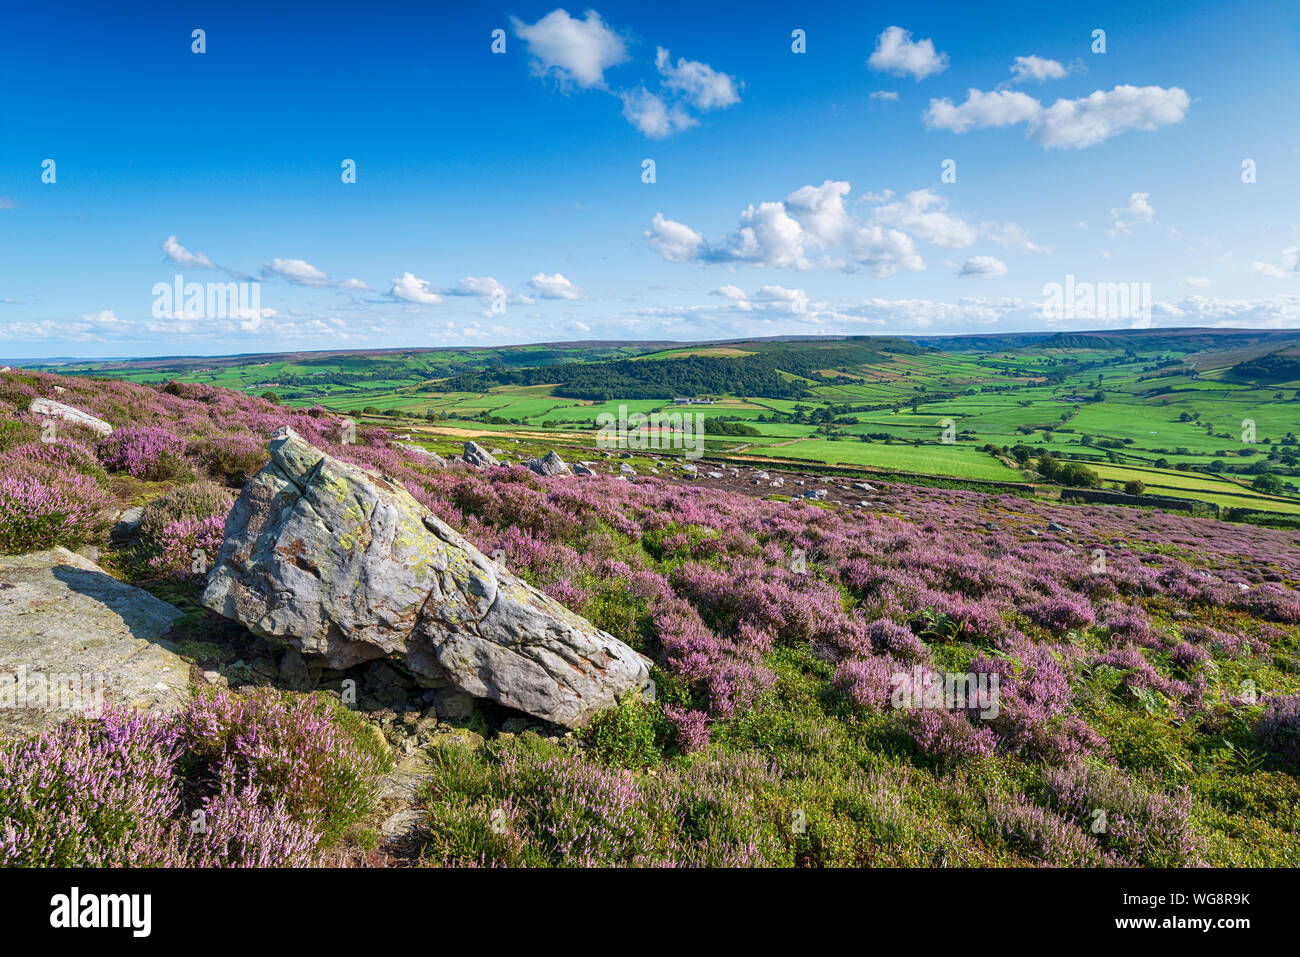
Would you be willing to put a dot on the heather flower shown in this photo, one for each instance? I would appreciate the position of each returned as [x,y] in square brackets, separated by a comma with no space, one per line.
[1279,727]
[90,793]
[294,750]
[1146,827]
[146,452]
[692,727]
[64,455]
[42,509]
[947,734]
[868,682]
[1062,613]
[1044,835]
[897,640]
[240,828]
[188,548]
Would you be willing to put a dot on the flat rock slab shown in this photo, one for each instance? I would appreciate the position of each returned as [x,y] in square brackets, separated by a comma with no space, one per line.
[48,407]
[72,637]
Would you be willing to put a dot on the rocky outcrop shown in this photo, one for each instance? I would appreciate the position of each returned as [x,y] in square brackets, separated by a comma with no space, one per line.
[57,410]
[549,464]
[478,456]
[346,565]
[74,639]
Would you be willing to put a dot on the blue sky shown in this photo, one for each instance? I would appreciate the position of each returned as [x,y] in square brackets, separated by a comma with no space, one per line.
[499,198]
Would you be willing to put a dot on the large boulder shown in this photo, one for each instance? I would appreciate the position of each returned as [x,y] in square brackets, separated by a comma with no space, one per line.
[74,639]
[345,564]
[57,410]
[478,456]
[549,464]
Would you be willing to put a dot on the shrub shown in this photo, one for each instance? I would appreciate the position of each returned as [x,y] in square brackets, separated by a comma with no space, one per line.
[945,734]
[1044,836]
[180,541]
[1062,613]
[1147,827]
[692,728]
[146,452]
[195,502]
[41,509]
[90,793]
[242,829]
[630,735]
[274,780]
[232,457]
[65,455]
[1279,728]
[294,749]
[868,682]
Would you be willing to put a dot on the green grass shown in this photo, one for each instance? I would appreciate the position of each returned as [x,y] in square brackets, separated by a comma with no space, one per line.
[1038,396]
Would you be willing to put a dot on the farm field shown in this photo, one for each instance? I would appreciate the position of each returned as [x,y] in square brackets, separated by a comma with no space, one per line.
[1128,407]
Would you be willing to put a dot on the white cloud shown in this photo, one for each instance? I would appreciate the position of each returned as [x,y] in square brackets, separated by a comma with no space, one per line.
[181,256]
[353,284]
[105,318]
[896,53]
[767,235]
[1036,68]
[967,314]
[765,298]
[1066,124]
[7,203]
[574,50]
[794,300]
[1290,265]
[555,287]
[1138,209]
[1076,124]
[790,234]
[676,241]
[411,289]
[890,95]
[652,116]
[701,85]
[483,286]
[295,271]
[983,267]
[1196,282]
[923,213]
[578,52]
[982,110]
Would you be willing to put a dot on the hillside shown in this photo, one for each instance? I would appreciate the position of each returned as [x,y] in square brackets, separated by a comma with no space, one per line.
[1146,664]
[1157,407]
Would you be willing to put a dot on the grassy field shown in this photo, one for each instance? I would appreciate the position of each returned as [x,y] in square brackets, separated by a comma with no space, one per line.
[950,460]
[1128,408]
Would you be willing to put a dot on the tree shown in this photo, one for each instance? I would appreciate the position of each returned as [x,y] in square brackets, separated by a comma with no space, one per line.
[271,397]
[1268,483]
[1134,487]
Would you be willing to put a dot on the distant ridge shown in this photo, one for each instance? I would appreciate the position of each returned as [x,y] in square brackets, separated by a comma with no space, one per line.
[1188,339]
